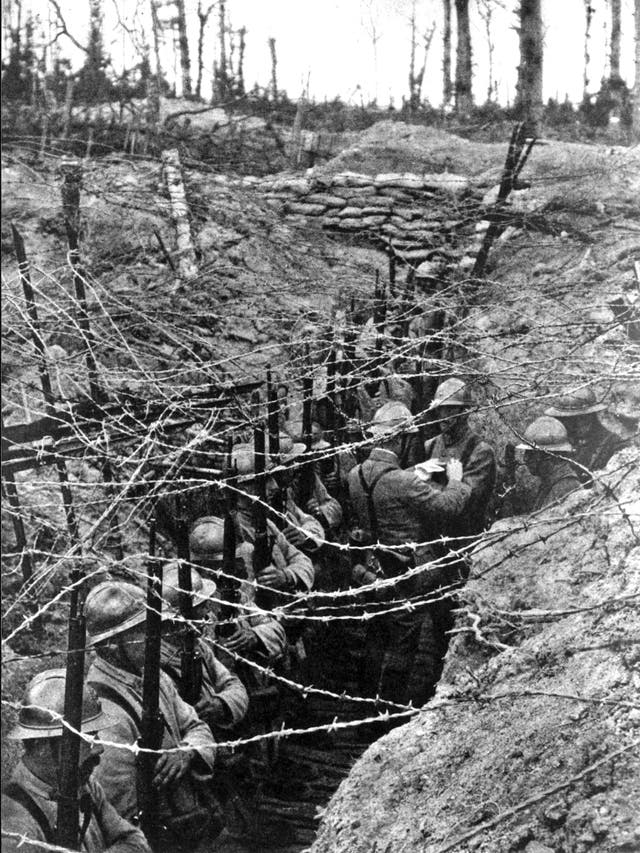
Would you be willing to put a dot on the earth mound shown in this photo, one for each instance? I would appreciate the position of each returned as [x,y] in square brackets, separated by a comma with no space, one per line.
[533,740]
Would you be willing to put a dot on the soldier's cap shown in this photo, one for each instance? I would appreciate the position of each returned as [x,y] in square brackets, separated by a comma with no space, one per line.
[42,709]
[452,392]
[203,590]
[575,404]
[392,417]
[113,607]
[546,434]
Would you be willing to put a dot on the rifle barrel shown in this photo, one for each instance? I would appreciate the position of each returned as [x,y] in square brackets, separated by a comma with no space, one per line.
[151,725]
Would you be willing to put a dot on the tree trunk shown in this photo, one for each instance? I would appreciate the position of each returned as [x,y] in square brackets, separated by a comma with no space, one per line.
[636,84]
[222,65]
[155,27]
[464,96]
[614,60]
[183,42]
[412,62]
[529,99]
[203,18]
[589,10]
[242,32]
[446,60]
[274,66]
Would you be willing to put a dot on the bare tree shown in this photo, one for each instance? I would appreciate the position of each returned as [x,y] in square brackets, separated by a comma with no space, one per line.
[614,55]
[529,95]
[636,85]
[485,10]
[447,86]
[183,44]
[372,26]
[274,66]
[416,77]
[203,18]
[464,94]
[589,10]
[242,44]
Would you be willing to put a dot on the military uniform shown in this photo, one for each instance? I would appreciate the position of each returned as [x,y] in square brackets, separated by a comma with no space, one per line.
[297,567]
[561,481]
[479,473]
[121,695]
[217,681]
[407,510]
[30,808]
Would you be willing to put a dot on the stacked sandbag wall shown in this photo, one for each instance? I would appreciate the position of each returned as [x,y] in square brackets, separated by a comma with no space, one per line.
[413,213]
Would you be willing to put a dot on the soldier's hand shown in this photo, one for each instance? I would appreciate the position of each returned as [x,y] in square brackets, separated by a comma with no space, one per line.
[295,537]
[274,577]
[313,506]
[211,709]
[361,576]
[454,471]
[172,766]
[242,640]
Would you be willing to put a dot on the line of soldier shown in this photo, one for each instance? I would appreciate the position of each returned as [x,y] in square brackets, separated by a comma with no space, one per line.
[185,666]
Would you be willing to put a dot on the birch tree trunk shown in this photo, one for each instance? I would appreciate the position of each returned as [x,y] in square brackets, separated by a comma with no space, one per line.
[464,96]
[529,98]
[614,57]
[186,263]
[446,59]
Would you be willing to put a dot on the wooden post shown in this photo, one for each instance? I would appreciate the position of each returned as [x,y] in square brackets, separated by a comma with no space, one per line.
[187,268]
[72,172]
[11,491]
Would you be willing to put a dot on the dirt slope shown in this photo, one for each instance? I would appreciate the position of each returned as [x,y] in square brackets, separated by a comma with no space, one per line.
[539,695]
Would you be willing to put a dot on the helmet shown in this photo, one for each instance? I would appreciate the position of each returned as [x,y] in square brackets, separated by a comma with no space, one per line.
[43,708]
[452,392]
[206,537]
[428,269]
[290,449]
[113,607]
[546,433]
[580,402]
[202,589]
[390,418]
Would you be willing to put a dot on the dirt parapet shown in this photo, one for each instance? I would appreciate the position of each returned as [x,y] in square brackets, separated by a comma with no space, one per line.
[532,741]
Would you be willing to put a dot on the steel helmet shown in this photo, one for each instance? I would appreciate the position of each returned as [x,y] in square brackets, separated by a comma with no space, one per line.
[202,589]
[428,269]
[113,607]
[452,392]
[579,402]
[546,433]
[390,418]
[206,537]
[42,708]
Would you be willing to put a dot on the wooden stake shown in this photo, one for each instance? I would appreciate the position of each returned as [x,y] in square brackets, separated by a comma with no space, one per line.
[187,267]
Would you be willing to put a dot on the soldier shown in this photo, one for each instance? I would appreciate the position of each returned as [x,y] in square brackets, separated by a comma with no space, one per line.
[318,513]
[258,636]
[223,698]
[290,570]
[395,507]
[29,801]
[115,614]
[426,328]
[451,404]
[543,440]
[593,443]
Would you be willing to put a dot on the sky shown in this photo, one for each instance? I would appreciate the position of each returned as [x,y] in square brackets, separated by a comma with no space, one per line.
[328,45]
